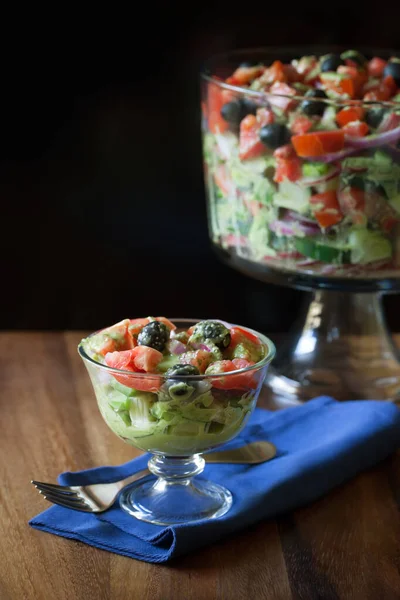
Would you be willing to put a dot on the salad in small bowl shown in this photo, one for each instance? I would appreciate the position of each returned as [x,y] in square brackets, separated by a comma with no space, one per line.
[176,389]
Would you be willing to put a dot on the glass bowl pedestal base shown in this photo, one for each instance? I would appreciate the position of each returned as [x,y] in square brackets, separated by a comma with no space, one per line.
[340,347]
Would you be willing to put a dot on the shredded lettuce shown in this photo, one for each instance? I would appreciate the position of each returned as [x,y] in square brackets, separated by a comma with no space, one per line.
[140,410]
[259,236]
[293,197]
[368,246]
[315,169]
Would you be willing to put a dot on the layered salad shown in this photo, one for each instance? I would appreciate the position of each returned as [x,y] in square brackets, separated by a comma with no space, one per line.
[302,163]
[175,390]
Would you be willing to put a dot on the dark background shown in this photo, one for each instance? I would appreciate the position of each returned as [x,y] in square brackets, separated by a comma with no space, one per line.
[100,160]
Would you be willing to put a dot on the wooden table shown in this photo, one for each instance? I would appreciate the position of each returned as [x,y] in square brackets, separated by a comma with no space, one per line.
[345,546]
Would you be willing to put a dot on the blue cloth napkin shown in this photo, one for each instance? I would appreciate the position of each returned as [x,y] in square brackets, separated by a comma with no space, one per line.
[320,445]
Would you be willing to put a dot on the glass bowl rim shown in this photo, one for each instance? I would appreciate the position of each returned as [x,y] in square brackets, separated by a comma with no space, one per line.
[267,343]
[206,76]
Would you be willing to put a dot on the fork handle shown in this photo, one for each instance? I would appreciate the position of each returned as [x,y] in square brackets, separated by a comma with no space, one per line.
[132,478]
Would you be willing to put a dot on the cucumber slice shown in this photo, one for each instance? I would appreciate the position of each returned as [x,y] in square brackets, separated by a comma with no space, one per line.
[325,251]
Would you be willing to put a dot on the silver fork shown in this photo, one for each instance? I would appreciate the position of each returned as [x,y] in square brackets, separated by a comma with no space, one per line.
[98,497]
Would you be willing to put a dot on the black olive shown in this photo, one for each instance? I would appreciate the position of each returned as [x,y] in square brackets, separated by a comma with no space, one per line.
[310,107]
[375,116]
[355,56]
[212,331]
[155,335]
[331,62]
[275,135]
[182,369]
[179,390]
[248,107]
[236,110]
[231,112]
[393,69]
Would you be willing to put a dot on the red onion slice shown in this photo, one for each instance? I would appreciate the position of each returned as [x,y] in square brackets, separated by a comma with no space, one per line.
[337,156]
[200,346]
[309,181]
[293,228]
[374,141]
[307,263]
[176,347]
[294,216]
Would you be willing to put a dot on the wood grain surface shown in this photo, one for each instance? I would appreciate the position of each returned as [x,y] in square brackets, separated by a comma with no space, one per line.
[345,546]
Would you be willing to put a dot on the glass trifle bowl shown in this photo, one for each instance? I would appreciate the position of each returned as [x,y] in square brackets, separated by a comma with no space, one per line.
[302,170]
[175,418]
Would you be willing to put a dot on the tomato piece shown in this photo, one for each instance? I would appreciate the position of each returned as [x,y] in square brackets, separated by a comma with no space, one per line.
[349,69]
[357,77]
[244,75]
[288,168]
[131,360]
[141,321]
[265,116]
[215,102]
[301,124]
[116,337]
[139,359]
[242,381]
[347,86]
[349,80]
[282,100]
[390,84]
[239,335]
[291,74]
[242,363]
[326,208]
[221,366]
[376,66]
[286,151]
[384,91]
[356,129]
[250,145]
[198,358]
[247,380]
[276,72]
[119,360]
[232,81]
[350,114]
[340,85]
[318,143]
[244,345]
[145,359]
[376,95]
[166,322]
